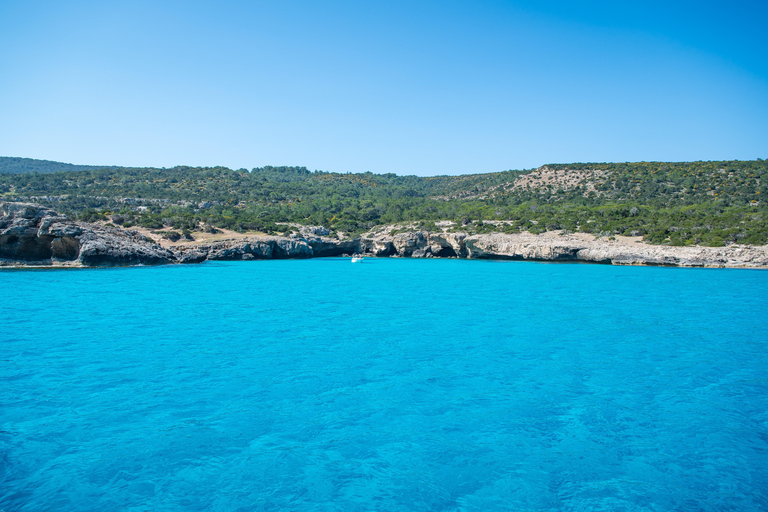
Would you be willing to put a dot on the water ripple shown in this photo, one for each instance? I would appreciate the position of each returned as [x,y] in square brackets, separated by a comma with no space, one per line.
[392,385]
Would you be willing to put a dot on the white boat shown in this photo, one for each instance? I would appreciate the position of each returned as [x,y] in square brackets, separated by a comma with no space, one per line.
[357,258]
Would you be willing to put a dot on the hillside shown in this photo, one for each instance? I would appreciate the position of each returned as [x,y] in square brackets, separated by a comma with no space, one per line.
[13,165]
[692,203]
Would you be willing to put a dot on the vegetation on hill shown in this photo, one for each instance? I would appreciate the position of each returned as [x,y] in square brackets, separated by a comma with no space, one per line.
[14,165]
[707,203]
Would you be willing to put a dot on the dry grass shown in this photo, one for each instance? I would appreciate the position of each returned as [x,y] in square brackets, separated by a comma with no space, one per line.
[200,237]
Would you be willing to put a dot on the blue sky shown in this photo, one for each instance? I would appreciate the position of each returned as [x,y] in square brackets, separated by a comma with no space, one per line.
[410,87]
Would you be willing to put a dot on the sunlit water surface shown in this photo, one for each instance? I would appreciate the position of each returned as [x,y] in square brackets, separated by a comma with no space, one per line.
[394,384]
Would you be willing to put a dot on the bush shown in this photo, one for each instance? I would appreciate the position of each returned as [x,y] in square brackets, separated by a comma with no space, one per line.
[150,222]
[173,236]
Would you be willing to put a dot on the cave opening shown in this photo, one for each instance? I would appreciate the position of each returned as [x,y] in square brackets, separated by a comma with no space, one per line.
[389,250]
[446,252]
[65,248]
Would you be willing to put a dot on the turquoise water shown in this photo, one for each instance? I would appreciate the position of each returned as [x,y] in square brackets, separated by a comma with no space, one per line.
[394,384]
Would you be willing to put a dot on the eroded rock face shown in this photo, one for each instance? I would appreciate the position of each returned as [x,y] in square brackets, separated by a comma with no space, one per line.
[120,247]
[291,248]
[238,250]
[406,244]
[419,244]
[551,247]
[377,247]
[557,247]
[25,248]
[65,248]
[322,246]
[24,232]
[512,247]
[33,234]
[191,255]
[262,248]
[448,245]
[19,224]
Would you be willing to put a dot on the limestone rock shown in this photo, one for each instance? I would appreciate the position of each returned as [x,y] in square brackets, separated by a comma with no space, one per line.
[448,244]
[34,234]
[192,255]
[115,248]
[500,246]
[377,247]
[258,248]
[291,248]
[552,247]
[407,243]
[322,246]
[418,244]
[237,250]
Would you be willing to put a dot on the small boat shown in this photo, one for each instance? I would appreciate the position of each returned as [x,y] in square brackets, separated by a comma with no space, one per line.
[357,258]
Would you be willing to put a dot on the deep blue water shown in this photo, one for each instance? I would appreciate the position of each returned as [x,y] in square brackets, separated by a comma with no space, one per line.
[394,384]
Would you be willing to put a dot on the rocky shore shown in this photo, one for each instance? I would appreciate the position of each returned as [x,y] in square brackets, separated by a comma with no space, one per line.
[31,235]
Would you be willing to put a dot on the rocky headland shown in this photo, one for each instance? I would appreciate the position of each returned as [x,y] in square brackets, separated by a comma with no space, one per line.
[32,235]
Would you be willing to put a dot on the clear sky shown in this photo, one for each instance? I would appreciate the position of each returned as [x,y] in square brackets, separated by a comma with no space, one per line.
[411,87]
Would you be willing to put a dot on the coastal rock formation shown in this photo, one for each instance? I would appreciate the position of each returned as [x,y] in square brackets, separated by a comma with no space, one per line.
[271,247]
[556,246]
[580,247]
[238,250]
[520,248]
[323,246]
[447,245]
[414,244]
[406,244]
[191,255]
[32,234]
[378,247]
[277,247]
[120,247]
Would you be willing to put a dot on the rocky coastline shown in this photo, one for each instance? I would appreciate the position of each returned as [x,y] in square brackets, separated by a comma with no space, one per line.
[35,236]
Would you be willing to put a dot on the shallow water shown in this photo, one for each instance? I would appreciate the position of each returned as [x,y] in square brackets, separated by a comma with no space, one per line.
[395,384]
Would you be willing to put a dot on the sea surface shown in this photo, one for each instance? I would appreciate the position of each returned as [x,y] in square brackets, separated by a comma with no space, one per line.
[389,385]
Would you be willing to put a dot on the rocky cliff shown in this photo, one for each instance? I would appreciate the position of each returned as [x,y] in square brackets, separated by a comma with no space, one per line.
[31,234]
[34,235]
[579,247]
[559,247]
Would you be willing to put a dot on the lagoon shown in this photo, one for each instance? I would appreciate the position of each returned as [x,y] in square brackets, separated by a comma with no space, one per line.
[394,384]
